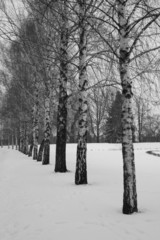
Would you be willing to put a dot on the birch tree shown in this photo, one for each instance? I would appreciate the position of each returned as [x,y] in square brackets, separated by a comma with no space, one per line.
[81,165]
[30,48]
[126,28]
[130,193]
[35,118]
[125,49]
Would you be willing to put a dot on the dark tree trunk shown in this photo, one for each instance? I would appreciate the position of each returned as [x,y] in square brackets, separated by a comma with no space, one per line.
[35,122]
[60,164]
[25,151]
[61,152]
[61,137]
[46,153]
[16,140]
[40,153]
[20,138]
[35,153]
[139,123]
[30,150]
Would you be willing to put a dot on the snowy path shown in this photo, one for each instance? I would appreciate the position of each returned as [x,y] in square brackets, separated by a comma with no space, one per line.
[38,204]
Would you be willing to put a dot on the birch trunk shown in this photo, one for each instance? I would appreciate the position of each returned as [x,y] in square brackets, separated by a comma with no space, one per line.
[60,165]
[40,153]
[46,150]
[81,165]
[35,122]
[30,149]
[129,195]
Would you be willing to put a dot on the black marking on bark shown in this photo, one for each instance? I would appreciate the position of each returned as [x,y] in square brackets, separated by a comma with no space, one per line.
[81,169]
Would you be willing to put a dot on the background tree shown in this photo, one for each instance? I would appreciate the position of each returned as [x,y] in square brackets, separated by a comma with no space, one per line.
[113,124]
[99,104]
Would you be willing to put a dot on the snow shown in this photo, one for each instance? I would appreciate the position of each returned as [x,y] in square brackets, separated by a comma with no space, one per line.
[36,203]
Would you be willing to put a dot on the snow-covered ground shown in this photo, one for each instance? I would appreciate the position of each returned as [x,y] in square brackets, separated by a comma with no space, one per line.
[38,204]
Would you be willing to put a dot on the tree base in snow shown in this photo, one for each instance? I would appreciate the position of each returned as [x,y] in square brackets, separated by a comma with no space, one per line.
[81,166]
[30,151]
[46,152]
[129,209]
[40,153]
[35,153]
[60,170]
[60,165]
[81,181]
[81,177]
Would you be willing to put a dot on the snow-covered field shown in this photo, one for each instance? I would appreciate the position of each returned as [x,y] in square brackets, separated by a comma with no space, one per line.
[38,204]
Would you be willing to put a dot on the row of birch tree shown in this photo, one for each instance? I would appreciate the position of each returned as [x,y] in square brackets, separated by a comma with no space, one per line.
[66,59]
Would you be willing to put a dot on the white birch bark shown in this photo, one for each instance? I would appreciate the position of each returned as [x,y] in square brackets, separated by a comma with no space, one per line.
[130,195]
[81,166]
[46,150]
